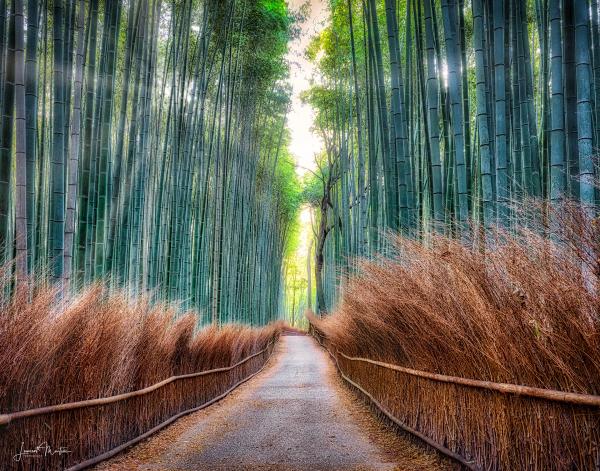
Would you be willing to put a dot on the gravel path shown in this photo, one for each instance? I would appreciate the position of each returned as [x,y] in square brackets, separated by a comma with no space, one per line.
[294,416]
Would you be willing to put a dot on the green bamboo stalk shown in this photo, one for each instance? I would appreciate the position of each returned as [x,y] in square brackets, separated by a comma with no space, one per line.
[57,197]
[20,147]
[557,114]
[73,164]
[584,104]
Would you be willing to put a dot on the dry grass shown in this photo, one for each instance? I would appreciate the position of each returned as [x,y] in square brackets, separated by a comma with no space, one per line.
[525,311]
[289,330]
[97,345]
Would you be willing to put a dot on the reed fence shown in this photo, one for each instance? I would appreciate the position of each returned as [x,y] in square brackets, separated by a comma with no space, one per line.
[480,424]
[90,431]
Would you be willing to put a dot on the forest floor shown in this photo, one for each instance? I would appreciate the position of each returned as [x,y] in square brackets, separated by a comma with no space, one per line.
[295,415]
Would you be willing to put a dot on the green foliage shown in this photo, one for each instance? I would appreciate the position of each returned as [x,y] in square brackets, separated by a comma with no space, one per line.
[436,114]
[288,189]
[264,40]
[184,170]
[312,189]
[324,100]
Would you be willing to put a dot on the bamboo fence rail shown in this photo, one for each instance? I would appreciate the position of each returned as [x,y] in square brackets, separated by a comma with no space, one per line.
[522,427]
[97,429]
[505,388]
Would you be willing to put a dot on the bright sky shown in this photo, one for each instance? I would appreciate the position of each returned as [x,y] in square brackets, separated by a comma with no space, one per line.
[305,144]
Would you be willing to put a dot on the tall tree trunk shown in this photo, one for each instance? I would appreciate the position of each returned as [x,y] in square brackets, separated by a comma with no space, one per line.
[570,80]
[400,142]
[362,191]
[584,104]
[389,162]
[73,168]
[557,114]
[500,118]
[433,117]
[31,117]
[57,196]
[485,157]
[21,156]
[86,181]
[6,162]
[456,108]
[104,157]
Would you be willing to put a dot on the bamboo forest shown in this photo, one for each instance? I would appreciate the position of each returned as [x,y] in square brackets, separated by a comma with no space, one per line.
[376,221]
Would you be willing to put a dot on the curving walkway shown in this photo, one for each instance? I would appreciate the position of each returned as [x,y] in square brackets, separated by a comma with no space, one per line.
[293,416]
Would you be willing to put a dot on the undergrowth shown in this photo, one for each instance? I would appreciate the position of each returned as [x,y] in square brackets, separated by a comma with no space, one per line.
[96,345]
[523,308]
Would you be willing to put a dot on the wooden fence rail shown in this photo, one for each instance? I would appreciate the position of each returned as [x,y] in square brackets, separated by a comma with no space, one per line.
[505,388]
[94,430]
[480,424]
[5,419]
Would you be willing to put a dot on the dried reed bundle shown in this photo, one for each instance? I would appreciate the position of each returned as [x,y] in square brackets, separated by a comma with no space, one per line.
[526,310]
[97,345]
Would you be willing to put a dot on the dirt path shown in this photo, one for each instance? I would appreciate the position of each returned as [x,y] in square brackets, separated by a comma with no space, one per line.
[294,416]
